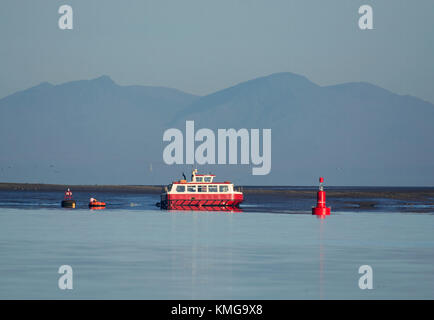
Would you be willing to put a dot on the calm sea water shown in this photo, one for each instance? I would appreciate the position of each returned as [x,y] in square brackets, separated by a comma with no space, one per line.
[133,251]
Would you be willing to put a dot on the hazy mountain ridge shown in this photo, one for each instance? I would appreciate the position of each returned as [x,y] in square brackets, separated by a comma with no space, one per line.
[95,131]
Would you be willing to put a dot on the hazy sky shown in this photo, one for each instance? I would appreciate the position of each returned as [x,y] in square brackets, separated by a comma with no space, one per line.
[201,46]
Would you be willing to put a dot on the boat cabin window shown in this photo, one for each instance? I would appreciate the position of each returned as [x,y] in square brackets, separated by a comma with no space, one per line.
[207,179]
[191,189]
[212,188]
[224,188]
[199,179]
[201,188]
[180,188]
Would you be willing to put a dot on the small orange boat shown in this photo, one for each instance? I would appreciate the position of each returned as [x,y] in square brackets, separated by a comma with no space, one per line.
[93,203]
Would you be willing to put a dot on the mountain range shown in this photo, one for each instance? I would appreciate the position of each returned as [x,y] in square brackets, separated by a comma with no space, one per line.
[98,132]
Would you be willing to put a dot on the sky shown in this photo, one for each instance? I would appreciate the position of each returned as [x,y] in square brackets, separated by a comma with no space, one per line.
[202,46]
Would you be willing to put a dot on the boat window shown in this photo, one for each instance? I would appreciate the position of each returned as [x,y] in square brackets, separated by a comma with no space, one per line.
[199,179]
[207,179]
[180,188]
[201,188]
[212,188]
[224,188]
[191,189]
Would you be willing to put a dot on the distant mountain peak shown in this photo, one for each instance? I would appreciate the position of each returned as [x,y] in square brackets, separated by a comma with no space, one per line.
[281,81]
[44,84]
[104,79]
[287,75]
[354,89]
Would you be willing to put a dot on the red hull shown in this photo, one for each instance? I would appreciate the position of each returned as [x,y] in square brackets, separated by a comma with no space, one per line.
[206,208]
[174,201]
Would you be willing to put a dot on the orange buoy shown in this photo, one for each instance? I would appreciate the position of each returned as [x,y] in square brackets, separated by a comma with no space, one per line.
[321,209]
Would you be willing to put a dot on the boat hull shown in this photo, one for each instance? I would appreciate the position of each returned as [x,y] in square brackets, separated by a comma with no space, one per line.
[176,201]
[206,208]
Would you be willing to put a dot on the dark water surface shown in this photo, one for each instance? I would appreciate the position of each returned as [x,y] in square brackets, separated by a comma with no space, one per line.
[273,250]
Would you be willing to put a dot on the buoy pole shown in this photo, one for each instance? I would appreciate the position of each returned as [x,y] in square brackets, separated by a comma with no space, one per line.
[321,209]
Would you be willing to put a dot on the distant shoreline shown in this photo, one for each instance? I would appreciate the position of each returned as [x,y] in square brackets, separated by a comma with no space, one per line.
[7,186]
[397,193]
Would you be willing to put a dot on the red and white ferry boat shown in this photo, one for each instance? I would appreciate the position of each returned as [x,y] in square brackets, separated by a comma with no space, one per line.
[201,191]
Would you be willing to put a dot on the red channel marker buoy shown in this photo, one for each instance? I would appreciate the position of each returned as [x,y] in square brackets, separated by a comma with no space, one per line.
[321,209]
[68,202]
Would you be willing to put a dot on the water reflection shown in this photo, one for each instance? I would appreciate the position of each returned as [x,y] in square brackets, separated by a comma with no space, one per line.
[321,256]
